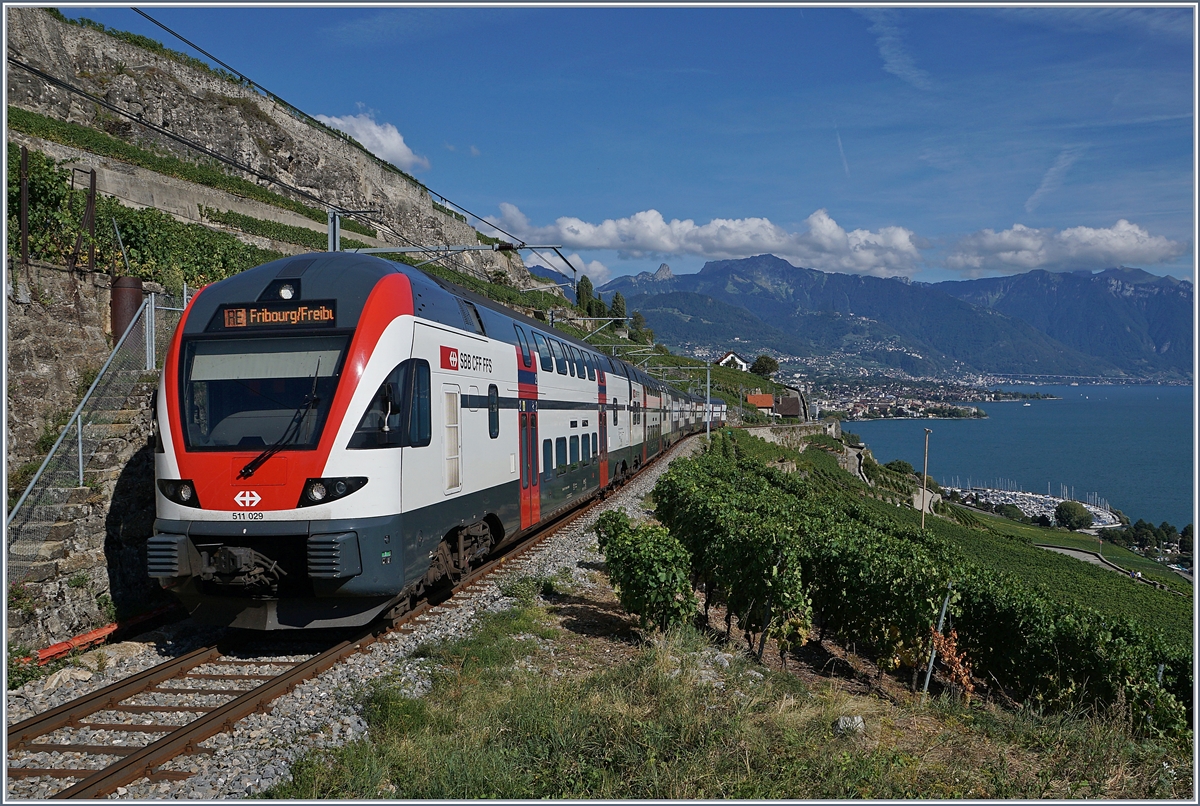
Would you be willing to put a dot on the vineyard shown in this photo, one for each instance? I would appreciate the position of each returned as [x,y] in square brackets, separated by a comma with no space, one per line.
[793,555]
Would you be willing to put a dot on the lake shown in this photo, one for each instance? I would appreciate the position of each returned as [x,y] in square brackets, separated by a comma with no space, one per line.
[1129,444]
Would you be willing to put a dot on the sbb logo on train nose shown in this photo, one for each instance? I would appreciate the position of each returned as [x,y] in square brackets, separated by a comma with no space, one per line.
[450,358]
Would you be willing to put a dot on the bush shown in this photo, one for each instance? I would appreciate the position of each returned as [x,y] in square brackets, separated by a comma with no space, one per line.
[650,570]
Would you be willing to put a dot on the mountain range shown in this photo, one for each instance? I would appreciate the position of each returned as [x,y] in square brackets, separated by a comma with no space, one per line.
[1120,323]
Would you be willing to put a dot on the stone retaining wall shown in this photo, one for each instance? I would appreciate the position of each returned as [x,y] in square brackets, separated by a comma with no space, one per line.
[59,335]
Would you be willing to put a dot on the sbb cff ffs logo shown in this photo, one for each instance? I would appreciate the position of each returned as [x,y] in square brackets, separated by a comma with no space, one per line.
[450,358]
[247,498]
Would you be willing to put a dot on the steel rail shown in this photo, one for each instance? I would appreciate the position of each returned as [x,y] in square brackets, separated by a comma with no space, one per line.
[142,763]
[106,698]
[136,763]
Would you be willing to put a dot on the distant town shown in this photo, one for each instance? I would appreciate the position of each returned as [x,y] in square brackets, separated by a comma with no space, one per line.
[906,399]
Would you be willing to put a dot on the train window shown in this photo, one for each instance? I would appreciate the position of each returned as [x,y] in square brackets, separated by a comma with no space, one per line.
[612,365]
[559,360]
[398,415]
[493,411]
[547,460]
[560,455]
[589,360]
[574,450]
[526,356]
[544,351]
[595,443]
[247,393]
[571,363]
[580,370]
[586,455]
[453,442]
[615,407]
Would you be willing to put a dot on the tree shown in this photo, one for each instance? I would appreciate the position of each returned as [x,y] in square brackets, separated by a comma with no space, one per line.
[1185,541]
[901,466]
[765,366]
[1011,511]
[1073,515]
[583,294]
[597,308]
[617,309]
[637,322]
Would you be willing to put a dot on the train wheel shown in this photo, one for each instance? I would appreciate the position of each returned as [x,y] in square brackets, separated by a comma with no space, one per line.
[459,551]
[403,606]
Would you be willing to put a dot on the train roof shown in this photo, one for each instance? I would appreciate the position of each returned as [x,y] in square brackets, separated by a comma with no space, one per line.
[347,278]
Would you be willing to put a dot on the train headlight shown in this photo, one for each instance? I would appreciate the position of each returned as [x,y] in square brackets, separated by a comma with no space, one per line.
[322,491]
[286,291]
[181,491]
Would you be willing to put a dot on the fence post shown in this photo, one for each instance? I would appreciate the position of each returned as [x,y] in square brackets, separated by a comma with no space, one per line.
[151,358]
[933,650]
[79,434]
[90,215]
[25,205]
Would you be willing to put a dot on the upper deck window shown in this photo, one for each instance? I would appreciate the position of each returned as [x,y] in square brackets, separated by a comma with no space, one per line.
[544,351]
[247,394]
[526,358]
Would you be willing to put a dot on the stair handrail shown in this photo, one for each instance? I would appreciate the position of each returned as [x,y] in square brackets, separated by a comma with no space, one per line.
[75,415]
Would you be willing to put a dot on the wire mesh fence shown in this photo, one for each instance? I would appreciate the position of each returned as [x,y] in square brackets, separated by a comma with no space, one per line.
[90,445]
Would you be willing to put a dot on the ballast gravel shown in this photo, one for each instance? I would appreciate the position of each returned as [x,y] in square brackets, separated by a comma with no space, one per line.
[321,713]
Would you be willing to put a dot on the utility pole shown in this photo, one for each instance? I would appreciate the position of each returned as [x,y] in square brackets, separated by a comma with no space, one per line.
[708,398]
[924,474]
[333,217]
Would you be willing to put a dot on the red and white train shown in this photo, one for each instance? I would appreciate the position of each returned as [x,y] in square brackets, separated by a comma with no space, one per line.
[336,433]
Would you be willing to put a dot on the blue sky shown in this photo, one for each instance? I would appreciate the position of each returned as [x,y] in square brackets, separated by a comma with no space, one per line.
[932,143]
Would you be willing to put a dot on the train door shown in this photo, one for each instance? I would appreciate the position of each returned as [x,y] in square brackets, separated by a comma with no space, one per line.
[530,489]
[452,438]
[527,413]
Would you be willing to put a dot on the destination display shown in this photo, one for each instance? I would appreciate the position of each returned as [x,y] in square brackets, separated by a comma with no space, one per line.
[275,316]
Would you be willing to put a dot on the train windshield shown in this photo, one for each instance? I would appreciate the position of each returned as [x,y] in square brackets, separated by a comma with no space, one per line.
[246,394]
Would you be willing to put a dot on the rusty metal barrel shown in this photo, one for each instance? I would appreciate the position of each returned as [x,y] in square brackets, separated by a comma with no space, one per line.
[126,298]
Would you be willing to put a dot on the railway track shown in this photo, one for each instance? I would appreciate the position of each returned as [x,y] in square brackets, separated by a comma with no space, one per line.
[149,725]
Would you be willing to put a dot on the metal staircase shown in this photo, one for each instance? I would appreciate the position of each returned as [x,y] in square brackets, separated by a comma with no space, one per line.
[76,479]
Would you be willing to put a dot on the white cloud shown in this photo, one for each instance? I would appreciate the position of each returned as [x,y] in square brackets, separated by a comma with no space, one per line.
[889,40]
[1023,248]
[596,271]
[824,245]
[474,151]
[381,139]
[1053,178]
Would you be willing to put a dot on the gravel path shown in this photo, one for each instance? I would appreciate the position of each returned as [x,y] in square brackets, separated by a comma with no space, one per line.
[322,712]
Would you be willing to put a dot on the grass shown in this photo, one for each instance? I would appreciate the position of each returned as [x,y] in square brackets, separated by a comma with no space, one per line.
[503,721]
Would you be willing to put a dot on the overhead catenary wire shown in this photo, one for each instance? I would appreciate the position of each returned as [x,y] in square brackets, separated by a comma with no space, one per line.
[189,143]
[300,111]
